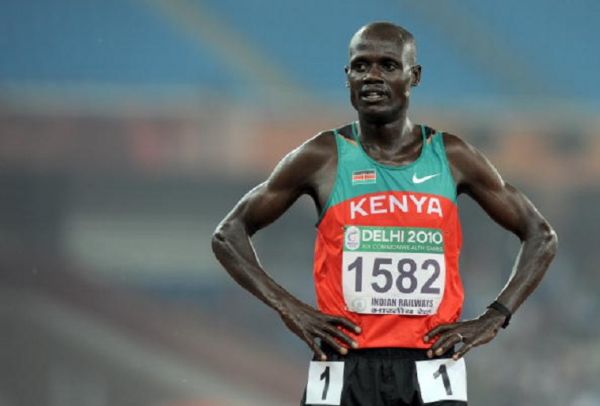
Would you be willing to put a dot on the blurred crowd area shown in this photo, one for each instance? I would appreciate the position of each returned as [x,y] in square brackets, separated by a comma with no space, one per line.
[113,214]
[129,128]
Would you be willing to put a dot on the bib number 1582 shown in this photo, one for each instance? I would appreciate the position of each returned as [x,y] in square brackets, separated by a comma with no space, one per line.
[405,280]
[393,283]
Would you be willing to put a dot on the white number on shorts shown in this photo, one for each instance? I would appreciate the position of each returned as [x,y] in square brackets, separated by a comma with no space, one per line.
[443,372]
[325,382]
[442,379]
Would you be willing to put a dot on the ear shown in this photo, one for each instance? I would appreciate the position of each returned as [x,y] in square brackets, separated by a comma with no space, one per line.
[415,73]
[347,71]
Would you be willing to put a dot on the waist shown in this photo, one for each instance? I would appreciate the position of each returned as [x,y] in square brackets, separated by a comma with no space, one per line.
[414,354]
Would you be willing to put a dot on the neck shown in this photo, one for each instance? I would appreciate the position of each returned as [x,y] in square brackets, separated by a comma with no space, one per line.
[391,136]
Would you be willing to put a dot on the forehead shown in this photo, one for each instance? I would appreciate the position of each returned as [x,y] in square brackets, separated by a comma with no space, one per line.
[364,47]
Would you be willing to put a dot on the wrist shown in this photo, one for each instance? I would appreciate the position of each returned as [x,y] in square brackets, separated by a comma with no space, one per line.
[494,315]
[499,311]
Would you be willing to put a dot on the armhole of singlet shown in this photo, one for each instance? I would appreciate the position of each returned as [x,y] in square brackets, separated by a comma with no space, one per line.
[447,162]
[337,136]
[423,134]
[426,142]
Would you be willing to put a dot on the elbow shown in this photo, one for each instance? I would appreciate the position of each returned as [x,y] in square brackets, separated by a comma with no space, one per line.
[549,239]
[552,241]
[216,241]
[227,236]
[219,238]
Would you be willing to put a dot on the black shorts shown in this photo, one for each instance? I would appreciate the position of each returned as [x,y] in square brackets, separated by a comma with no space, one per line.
[382,377]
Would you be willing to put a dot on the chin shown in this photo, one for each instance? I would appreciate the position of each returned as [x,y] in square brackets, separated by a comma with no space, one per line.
[378,114]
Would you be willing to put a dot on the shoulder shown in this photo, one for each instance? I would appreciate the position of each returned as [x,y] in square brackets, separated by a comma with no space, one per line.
[321,148]
[325,141]
[320,145]
[312,153]
[315,157]
[301,166]
[457,147]
[469,166]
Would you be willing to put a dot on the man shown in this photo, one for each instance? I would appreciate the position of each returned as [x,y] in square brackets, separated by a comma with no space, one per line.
[386,255]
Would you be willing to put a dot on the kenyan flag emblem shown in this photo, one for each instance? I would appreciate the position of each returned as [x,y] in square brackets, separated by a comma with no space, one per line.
[364,177]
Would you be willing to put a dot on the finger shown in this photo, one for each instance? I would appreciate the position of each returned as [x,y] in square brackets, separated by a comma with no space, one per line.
[341,336]
[445,343]
[462,351]
[438,330]
[439,342]
[315,348]
[332,343]
[347,324]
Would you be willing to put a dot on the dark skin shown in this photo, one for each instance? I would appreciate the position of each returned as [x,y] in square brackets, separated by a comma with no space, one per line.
[380,75]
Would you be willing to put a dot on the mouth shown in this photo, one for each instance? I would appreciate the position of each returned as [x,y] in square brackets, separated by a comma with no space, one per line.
[373,96]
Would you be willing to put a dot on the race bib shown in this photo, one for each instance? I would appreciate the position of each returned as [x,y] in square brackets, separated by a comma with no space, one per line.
[325,383]
[393,270]
[442,379]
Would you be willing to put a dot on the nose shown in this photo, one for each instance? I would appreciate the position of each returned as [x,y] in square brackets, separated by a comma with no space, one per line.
[373,74]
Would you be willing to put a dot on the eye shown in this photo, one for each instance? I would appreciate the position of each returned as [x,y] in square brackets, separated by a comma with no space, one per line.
[389,65]
[359,67]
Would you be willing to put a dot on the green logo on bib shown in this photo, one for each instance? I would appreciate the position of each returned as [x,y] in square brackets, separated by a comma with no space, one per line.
[352,238]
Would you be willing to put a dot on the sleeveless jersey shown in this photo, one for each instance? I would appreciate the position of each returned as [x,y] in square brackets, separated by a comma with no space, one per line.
[388,243]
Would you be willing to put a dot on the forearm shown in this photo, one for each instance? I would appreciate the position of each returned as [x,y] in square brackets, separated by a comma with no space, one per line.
[535,255]
[233,248]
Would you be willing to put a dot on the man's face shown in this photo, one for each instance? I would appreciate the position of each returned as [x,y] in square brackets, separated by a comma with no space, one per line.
[379,76]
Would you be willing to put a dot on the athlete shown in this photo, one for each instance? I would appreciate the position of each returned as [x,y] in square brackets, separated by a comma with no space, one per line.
[388,239]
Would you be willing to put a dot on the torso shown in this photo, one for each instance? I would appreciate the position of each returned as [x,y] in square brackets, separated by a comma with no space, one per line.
[365,196]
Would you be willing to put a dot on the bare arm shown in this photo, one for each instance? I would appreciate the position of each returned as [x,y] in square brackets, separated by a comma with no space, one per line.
[300,172]
[511,209]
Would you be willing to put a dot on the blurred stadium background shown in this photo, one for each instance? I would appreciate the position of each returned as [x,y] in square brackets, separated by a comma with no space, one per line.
[128,128]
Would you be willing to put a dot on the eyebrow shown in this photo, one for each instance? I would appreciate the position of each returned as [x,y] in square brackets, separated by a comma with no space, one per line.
[378,58]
